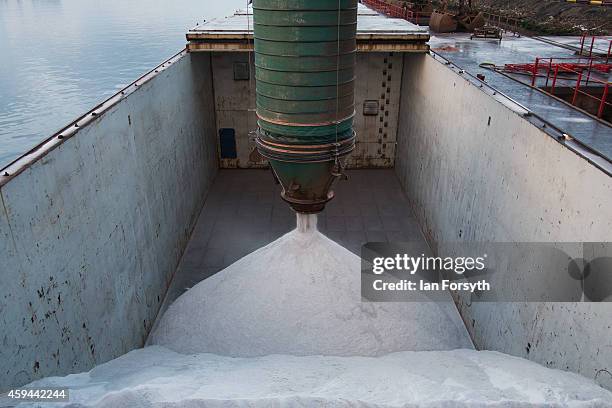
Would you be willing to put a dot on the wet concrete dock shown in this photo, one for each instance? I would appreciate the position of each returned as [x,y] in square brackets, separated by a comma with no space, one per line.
[469,54]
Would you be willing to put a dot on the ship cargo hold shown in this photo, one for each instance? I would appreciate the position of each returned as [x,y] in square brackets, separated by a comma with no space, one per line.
[108,221]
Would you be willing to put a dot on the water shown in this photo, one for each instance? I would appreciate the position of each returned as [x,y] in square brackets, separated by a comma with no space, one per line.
[59,58]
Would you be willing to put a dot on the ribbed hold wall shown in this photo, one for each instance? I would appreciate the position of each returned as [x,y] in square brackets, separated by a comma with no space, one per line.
[305,57]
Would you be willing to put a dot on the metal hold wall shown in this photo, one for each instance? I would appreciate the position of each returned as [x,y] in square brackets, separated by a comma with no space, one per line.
[235,107]
[474,170]
[379,78]
[91,232]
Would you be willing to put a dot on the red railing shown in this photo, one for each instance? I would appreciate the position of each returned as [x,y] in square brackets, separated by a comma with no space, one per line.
[589,43]
[418,17]
[574,73]
[385,8]
[395,11]
[568,66]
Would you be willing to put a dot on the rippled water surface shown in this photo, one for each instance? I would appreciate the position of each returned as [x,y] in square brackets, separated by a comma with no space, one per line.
[59,58]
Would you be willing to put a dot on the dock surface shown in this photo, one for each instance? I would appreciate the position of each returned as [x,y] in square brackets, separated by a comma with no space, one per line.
[469,54]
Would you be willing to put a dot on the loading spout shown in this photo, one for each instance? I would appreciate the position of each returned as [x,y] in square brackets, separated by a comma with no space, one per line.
[305,56]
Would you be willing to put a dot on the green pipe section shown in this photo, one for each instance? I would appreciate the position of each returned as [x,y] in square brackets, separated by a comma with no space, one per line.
[305,58]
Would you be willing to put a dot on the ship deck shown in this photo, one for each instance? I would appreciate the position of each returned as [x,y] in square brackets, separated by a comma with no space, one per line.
[375,33]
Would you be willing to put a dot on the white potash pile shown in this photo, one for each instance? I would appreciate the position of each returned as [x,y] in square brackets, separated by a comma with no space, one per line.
[155,377]
[301,295]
